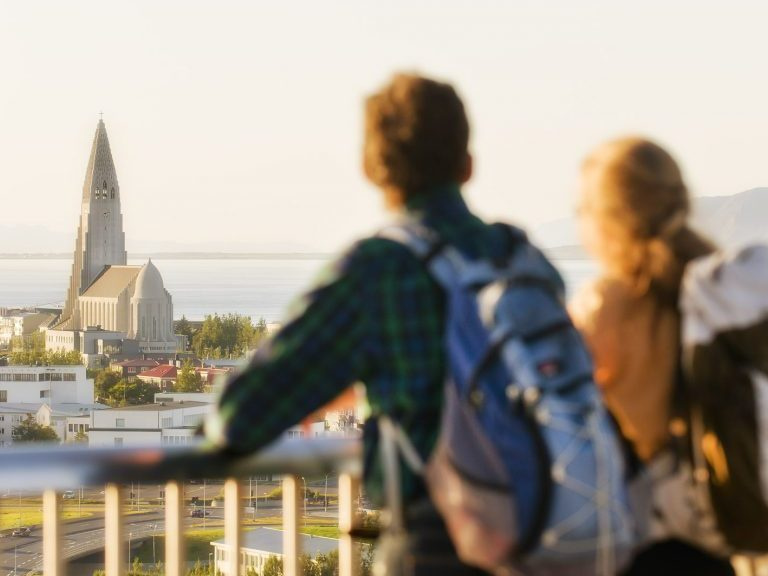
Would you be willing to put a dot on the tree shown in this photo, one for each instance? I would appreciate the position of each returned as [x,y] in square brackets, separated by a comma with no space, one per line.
[188,379]
[273,567]
[184,327]
[31,431]
[81,437]
[130,392]
[104,382]
[228,335]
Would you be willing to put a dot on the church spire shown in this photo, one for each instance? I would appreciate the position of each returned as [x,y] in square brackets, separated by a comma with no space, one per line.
[100,239]
[100,176]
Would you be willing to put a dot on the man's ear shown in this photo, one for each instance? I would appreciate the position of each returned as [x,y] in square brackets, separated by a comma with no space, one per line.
[466,172]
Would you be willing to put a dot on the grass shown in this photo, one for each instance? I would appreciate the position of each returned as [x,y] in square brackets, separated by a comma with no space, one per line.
[11,517]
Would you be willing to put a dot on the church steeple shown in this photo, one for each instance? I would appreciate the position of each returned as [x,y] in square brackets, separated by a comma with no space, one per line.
[100,176]
[100,238]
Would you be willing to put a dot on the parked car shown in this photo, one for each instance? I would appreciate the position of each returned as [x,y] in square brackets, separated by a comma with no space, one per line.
[199,513]
[22,531]
[68,495]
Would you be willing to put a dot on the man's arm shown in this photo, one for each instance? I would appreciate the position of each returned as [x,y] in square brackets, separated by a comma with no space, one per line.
[322,351]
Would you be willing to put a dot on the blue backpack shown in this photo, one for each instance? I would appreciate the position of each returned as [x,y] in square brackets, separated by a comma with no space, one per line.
[528,473]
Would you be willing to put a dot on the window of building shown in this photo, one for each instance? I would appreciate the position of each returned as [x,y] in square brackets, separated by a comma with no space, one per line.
[2,418]
[71,427]
[69,377]
[119,422]
[167,422]
[112,193]
[118,441]
[45,393]
[3,395]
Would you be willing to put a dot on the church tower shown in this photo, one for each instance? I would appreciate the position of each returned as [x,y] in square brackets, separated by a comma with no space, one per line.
[100,237]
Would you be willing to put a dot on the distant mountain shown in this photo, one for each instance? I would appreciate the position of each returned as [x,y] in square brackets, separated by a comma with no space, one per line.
[733,220]
[729,220]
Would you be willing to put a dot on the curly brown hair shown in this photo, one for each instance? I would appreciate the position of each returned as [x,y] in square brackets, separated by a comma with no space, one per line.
[416,135]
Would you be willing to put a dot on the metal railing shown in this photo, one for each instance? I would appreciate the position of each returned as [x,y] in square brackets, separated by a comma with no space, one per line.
[52,469]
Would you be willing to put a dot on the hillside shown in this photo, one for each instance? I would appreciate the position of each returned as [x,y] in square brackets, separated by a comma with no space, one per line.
[729,220]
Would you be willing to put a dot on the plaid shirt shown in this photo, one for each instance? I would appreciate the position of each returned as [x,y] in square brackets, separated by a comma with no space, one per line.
[374,316]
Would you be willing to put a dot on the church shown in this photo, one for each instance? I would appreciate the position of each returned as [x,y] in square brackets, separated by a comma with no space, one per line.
[112,308]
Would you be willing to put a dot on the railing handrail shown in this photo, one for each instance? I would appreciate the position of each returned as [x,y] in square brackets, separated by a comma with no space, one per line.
[66,467]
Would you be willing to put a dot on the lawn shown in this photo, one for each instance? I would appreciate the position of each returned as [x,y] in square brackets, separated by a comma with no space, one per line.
[12,517]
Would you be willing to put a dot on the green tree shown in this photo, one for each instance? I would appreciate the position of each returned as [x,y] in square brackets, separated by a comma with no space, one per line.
[131,392]
[81,437]
[30,431]
[184,327]
[273,567]
[188,379]
[103,383]
[227,335]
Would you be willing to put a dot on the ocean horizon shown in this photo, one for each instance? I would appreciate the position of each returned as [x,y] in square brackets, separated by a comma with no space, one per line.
[255,285]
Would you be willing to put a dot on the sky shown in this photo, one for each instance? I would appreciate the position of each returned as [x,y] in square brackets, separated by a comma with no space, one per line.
[237,125]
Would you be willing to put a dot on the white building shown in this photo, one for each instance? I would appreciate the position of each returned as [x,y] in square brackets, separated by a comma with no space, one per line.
[50,394]
[261,543]
[21,324]
[148,424]
[45,384]
[12,415]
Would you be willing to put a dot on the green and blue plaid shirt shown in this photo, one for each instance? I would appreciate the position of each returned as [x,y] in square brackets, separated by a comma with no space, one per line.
[374,316]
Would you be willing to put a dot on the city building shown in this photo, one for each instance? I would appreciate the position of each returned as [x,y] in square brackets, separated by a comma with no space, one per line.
[147,425]
[124,302]
[132,368]
[261,543]
[163,376]
[21,324]
[50,394]
[47,384]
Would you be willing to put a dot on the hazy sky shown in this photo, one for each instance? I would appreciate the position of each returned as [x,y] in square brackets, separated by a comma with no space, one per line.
[239,123]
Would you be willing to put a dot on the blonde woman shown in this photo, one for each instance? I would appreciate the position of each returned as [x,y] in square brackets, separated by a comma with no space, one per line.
[633,211]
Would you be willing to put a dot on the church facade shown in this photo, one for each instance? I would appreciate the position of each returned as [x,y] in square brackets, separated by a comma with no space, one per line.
[110,305]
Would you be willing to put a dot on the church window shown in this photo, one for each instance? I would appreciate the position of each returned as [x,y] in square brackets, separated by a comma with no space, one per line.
[105,188]
[112,193]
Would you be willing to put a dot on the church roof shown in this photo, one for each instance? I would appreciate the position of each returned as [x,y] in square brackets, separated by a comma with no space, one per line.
[101,168]
[112,281]
[149,283]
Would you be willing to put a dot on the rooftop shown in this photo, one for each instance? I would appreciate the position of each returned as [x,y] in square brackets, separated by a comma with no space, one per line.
[159,407]
[270,540]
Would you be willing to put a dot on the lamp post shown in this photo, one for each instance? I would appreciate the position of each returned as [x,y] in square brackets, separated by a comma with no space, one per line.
[204,514]
[130,534]
[14,559]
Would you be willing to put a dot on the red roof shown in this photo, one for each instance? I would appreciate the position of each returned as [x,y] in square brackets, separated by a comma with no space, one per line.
[138,363]
[162,371]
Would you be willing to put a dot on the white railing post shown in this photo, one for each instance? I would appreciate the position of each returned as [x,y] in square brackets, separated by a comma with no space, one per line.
[349,552]
[114,545]
[53,561]
[232,517]
[175,564]
[291,522]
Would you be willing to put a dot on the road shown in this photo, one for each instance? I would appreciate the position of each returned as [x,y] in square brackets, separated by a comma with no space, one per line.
[19,555]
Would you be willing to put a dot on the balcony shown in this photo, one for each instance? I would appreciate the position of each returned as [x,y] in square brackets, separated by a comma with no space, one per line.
[56,471]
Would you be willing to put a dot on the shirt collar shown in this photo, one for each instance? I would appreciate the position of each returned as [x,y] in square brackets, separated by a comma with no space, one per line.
[445,201]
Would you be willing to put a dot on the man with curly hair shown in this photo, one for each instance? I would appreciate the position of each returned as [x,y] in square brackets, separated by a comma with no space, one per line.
[376,316]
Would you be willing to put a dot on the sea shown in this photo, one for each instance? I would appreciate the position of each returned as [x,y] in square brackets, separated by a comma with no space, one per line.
[255,286]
